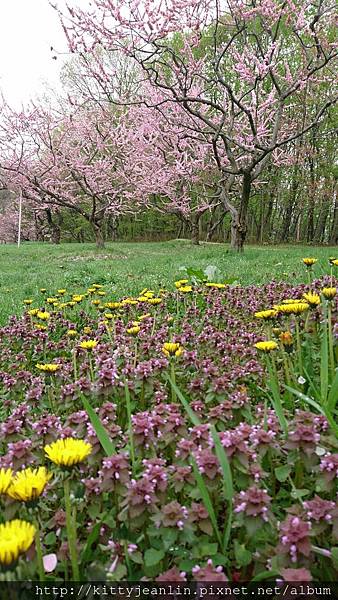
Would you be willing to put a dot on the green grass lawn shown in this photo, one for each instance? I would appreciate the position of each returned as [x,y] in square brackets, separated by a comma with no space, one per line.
[126,268]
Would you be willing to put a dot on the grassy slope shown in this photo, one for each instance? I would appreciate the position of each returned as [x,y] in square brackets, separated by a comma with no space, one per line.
[128,267]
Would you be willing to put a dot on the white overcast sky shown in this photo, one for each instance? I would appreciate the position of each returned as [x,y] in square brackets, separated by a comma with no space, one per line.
[28,29]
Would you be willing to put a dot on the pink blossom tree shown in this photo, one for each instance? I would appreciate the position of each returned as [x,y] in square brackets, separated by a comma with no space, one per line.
[169,167]
[66,161]
[241,69]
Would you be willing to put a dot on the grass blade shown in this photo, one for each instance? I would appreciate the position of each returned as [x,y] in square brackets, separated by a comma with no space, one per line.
[130,426]
[193,417]
[332,398]
[321,409]
[225,466]
[206,499]
[276,400]
[324,358]
[228,487]
[100,431]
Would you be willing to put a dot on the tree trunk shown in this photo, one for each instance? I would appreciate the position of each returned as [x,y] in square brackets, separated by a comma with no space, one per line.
[99,236]
[55,235]
[319,235]
[195,232]
[239,218]
[334,227]
[114,228]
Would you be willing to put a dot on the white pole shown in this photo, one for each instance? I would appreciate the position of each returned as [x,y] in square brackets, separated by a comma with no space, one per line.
[20,216]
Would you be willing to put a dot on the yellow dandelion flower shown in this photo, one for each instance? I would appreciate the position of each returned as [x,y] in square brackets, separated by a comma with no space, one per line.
[33,312]
[5,479]
[300,307]
[185,289]
[97,286]
[309,262]
[113,305]
[51,300]
[28,301]
[88,344]
[43,315]
[87,330]
[40,327]
[286,338]
[171,349]
[335,262]
[61,292]
[91,290]
[218,286]
[16,537]
[133,330]
[101,293]
[68,452]
[181,282]
[43,290]
[71,303]
[96,302]
[329,292]
[332,259]
[266,314]
[71,333]
[78,298]
[108,316]
[312,299]
[154,300]
[294,308]
[28,484]
[48,367]
[143,317]
[267,346]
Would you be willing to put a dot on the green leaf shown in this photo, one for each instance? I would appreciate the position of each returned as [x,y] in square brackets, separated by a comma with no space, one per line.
[100,431]
[265,575]
[207,550]
[152,557]
[94,510]
[299,493]
[242,555]
[50,538]
[282,473]
[334,555]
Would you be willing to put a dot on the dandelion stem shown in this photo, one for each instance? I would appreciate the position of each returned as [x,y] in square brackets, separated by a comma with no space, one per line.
[74,365]
[330,339]
[173,379]
[91,370]
[135,354]
[299,348]
[71,531]
[38,549]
